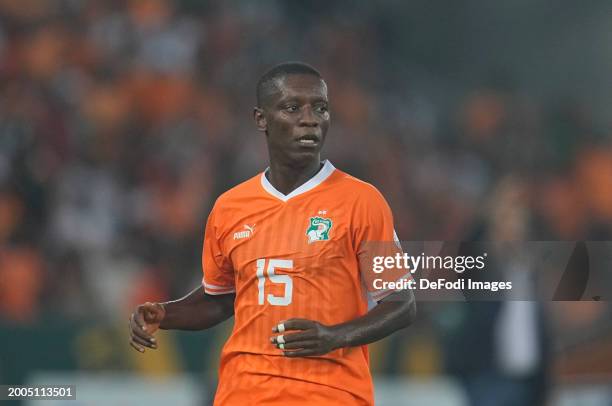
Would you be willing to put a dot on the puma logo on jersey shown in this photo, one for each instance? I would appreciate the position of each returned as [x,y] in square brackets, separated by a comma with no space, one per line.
[246,233]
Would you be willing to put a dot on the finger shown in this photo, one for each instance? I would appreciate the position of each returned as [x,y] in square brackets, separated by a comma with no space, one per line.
[287,338]
[280,339]
[300,345]
[293,324]
[138,317]
[142,341]
[304,335]
[144,335]
[137,321]
[136,347]
[137,328]
[303,353]
[137,331]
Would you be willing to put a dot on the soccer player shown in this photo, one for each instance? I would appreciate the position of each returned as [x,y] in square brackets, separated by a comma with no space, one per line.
[288,253]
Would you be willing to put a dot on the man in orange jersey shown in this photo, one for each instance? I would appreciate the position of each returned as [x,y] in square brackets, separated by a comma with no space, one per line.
[289,254]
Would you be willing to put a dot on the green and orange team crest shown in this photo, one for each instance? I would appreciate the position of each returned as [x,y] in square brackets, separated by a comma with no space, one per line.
[318,229]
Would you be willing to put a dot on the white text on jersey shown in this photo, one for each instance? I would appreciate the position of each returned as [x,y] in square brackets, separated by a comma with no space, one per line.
[246,233]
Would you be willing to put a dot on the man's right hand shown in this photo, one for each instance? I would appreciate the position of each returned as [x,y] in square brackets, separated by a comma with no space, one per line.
[144,322]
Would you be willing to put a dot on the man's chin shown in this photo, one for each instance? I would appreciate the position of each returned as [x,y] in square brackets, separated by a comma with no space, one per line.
[304,156]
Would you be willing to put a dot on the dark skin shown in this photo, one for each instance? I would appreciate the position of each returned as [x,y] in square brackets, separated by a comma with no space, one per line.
[298,109]
[294,116]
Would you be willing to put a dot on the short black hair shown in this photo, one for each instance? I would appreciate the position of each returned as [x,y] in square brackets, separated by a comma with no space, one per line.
[266,85]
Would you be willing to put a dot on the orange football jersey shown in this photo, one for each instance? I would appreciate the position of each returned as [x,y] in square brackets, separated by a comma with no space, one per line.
[294,256]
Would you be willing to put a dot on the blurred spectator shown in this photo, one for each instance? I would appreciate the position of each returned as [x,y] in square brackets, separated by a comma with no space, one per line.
[498,349]
[22,275]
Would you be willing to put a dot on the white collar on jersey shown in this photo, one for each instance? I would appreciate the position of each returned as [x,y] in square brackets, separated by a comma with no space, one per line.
[313,182]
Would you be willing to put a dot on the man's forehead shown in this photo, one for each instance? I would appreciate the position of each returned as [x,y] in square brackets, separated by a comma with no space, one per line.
[300,84]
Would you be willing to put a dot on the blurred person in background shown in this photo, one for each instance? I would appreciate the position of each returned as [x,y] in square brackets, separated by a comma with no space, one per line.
[498,347]
[289,252]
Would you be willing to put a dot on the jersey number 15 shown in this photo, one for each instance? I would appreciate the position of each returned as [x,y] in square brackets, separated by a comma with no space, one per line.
[286,280]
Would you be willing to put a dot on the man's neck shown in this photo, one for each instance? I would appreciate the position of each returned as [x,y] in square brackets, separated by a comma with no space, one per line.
[286,178]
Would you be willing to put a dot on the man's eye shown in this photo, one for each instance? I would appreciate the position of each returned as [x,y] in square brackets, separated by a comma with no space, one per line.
[322,109]
[291,109]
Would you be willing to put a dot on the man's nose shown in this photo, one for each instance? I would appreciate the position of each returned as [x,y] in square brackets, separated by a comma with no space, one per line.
[308,117]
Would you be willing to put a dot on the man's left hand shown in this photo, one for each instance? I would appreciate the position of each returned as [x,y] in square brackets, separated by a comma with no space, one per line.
[312,338]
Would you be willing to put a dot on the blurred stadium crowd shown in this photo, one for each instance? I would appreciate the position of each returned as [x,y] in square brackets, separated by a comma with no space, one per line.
[121,122]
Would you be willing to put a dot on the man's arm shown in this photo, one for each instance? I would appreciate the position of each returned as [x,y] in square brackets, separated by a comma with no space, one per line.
[196,311]
[393,313]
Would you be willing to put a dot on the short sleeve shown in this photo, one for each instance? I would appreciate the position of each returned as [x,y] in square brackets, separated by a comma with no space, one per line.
[375,239]
[218,272]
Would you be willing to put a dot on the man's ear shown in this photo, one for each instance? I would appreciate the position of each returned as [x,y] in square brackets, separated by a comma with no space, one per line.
[260,119]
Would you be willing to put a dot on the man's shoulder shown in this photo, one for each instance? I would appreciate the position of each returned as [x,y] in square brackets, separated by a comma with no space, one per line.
[241,193]
[350,186]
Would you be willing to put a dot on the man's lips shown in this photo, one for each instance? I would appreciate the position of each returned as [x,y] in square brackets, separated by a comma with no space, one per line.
[308,140]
